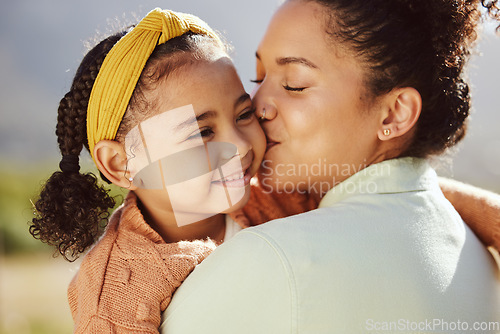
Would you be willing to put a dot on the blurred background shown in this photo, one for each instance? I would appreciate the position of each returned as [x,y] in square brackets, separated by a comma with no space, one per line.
[41,45]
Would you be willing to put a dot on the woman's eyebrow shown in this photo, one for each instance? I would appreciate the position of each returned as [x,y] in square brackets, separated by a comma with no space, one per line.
[295,60]
[291,60]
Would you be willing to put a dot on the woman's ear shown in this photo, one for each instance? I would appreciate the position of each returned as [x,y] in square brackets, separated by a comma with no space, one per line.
[111,160]
[404,106]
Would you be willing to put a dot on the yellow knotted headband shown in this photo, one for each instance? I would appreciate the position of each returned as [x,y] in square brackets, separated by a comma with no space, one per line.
[123,66]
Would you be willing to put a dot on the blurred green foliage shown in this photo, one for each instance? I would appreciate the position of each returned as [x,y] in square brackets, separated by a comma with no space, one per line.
[19,188]
[19,185]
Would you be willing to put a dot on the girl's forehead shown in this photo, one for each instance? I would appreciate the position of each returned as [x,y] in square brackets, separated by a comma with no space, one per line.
[203,84]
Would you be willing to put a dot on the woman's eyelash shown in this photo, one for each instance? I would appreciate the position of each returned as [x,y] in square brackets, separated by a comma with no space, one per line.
[288,88]
[291,89]
[294,89]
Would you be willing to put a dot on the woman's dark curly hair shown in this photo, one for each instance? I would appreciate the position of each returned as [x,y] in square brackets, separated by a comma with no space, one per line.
[73,208]
[422,44]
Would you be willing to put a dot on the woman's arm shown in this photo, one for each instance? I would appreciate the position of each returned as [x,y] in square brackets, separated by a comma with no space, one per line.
[479,208]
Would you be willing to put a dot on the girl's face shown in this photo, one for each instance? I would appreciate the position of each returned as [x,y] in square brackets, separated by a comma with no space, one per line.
[319,127]
[206,138]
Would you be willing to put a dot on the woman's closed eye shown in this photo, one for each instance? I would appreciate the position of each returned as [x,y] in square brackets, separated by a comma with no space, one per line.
[287,87]
[294,89]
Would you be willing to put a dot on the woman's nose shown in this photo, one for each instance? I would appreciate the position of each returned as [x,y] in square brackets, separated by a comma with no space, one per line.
[263,100]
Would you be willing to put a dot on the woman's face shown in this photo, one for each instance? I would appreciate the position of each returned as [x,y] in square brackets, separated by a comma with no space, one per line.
[319,127]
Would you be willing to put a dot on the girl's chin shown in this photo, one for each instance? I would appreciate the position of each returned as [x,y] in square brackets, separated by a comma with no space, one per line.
[241,203]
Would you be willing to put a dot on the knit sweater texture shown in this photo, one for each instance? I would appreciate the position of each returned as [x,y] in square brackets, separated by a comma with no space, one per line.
[127,279]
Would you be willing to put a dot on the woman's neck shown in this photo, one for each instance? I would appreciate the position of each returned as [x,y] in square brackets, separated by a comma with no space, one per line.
[164,222]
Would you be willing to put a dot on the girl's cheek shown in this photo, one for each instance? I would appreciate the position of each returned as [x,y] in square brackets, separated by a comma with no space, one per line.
[255,135]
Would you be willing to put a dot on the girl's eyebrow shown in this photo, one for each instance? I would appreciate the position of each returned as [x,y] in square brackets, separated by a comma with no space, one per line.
[209,114]
[190,121]
[242,99]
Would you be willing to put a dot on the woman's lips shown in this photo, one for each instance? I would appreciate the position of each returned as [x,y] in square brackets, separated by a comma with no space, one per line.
[271,144]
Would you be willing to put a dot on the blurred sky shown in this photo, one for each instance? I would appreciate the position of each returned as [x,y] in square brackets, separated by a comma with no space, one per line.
[42,43]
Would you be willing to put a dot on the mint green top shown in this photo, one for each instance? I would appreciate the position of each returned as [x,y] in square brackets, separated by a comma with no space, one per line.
[384,251]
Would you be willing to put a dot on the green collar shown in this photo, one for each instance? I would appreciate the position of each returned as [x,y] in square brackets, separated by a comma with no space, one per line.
[388,177]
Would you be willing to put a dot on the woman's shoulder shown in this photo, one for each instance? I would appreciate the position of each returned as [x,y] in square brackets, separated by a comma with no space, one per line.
[336,222]
[365,229]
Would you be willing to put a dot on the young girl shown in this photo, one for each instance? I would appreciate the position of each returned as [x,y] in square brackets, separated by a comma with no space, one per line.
[163,113]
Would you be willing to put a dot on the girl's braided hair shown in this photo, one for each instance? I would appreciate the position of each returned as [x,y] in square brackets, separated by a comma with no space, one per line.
[73,206]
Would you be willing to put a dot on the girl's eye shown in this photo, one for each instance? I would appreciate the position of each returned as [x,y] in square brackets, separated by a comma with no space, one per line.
[256,81]
[207,132]
[204,133]
[294,89]
[246,115]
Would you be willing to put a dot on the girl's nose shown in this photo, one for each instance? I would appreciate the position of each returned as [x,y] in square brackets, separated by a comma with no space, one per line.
[238,139]
[243,145]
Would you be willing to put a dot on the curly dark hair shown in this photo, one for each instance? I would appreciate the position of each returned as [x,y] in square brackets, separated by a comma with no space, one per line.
[73,208]
[422,44]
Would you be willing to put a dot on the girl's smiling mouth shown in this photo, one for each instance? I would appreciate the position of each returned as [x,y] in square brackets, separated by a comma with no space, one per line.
[239,178]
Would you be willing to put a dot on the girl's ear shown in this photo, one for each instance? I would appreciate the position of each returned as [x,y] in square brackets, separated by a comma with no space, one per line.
[111,160]
[404,107]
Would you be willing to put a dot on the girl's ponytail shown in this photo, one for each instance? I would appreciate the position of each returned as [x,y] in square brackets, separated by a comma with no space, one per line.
[73,207]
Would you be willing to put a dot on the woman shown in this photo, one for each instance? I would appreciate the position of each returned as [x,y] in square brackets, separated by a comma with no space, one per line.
[354,96]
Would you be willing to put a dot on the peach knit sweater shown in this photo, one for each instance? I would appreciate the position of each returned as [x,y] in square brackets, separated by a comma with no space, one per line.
[127,279]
